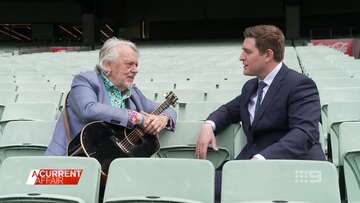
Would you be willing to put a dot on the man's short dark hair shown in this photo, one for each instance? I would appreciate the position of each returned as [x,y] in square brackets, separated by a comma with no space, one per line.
[267,37]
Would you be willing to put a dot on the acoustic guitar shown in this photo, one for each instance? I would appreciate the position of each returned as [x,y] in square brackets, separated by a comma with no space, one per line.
[106,141]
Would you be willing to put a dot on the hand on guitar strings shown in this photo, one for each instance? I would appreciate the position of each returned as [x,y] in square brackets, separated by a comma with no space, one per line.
[153,124]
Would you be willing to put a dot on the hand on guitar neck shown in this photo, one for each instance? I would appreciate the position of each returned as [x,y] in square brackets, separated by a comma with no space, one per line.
[153,124]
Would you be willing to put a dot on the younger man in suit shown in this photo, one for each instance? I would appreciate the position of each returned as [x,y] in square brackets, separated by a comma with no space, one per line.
[279,109]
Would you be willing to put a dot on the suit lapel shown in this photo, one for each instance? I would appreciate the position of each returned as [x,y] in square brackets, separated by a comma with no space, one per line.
[272,91]
[103,96]
[249,92]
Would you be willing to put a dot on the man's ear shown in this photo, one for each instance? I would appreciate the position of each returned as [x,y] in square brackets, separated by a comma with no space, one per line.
[107,64]
[107,67]
[269,55]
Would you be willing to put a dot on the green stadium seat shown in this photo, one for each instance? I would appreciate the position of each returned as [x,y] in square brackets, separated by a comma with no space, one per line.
[328,73]
[196,111]
[25,138]
[145,180]
[7,79]
[31,86]
[337,113]
[344,94]
[348,139]
[149,94]
[232,85]
[8,86]
[336,95]
[17,185]
[54,97]
[279,181]
[184,95]
[63,86]
[200,85]
[155,85]
[352,176]
[7,96]
[29,111]
[208,76]
[182,142]
[337,83]
[153,77]
[29,78]
[222,95]
[59,78]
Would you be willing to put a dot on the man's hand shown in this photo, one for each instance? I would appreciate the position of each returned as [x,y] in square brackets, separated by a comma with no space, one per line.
[206,137]
[153,124]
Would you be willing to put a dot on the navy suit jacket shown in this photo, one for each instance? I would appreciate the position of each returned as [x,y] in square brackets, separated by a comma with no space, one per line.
[286,125]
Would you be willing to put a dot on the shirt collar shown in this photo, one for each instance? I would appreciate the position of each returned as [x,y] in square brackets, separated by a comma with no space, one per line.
[270,77]
[110,85]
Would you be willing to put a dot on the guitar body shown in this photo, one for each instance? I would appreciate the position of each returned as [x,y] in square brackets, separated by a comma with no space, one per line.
[106,142]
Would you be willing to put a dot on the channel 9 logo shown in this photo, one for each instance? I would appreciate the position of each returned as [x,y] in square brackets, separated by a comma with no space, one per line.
[308,176]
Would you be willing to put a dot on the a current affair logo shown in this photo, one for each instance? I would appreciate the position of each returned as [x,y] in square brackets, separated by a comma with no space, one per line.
[54,176]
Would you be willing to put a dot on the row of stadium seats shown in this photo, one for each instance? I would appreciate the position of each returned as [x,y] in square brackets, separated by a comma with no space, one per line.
[167,180]
[191,73]
[337,77]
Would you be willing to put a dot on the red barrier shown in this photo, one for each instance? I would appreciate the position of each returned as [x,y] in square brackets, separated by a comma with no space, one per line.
[343,45]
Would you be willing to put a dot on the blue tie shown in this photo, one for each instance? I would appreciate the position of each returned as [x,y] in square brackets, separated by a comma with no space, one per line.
[261,86]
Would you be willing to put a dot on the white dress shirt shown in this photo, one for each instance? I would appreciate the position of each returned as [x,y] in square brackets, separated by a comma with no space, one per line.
[268,80]
[252,104]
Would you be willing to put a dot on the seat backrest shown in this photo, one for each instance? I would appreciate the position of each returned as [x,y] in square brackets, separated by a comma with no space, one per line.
[8,86]
[7,96]
[196,111]
[201,85]
[156,85]
[187,132]
[348,138]
[334,82]
[184,95]
[222,95]
[281,180]
[232,85]
[40,96]
[352,175]
[25,138]
[30,111]
[344,94]
[343,111]
[51,175]
[29,86]
[27,133]
[138,178]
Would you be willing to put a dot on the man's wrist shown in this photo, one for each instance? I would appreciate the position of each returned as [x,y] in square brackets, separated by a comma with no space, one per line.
[211,123]
[259,157]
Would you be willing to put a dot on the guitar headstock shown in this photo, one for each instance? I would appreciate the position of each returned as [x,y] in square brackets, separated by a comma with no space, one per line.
[171,98]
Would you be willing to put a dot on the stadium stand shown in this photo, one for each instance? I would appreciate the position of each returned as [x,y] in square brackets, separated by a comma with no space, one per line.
[204,76]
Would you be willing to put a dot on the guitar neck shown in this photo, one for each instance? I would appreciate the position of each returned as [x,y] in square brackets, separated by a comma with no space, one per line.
[161,108]
[137,133]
